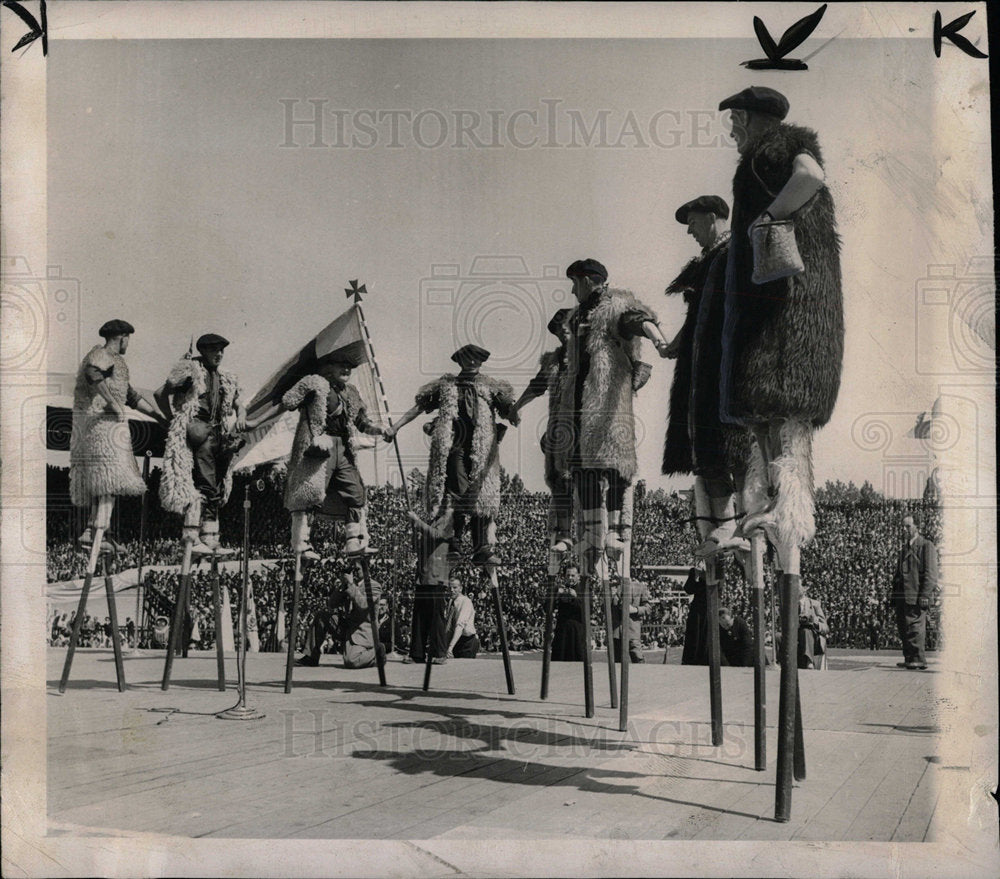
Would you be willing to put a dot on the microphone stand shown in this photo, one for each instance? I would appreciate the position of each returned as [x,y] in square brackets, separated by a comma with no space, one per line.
[241,711]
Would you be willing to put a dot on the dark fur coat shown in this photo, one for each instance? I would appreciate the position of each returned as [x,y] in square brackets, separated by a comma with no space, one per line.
[783,342]
[696,441]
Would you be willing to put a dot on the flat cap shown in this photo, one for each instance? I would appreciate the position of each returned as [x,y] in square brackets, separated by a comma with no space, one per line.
[116,327]
[472,354]
[704,204]
[352,355]
[587,267]
[556,325]
[758,99]
[211,340]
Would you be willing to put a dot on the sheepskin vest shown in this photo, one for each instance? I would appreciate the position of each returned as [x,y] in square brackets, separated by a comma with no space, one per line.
[604,427]
[101,461]
[783,342]
[484,464]
[552,367]
[690,283]
[307,478]
[177,490]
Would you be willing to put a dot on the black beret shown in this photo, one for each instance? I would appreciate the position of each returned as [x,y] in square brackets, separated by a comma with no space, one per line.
[351,355]
[587,267]
[211,340]
[116,327]
[472,353]
[556,324]
[758,99]
[704,204]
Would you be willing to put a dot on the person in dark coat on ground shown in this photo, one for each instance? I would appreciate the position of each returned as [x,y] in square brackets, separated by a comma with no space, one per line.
[696,629]
[568,644]
[913,587]
[430,597]
[735,639]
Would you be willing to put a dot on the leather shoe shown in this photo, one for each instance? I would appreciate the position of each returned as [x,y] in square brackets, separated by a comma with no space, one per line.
[308,661]
[439,660]
[903,665]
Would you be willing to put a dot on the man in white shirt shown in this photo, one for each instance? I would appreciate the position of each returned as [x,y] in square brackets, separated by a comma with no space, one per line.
[463,643]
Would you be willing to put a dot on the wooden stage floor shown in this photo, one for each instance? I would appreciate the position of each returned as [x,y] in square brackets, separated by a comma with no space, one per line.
[341,757]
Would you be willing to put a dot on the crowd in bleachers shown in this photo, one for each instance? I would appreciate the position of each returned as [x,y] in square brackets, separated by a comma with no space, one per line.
[848,567]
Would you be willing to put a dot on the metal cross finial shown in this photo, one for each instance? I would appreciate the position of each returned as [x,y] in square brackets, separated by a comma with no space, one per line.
[356,291]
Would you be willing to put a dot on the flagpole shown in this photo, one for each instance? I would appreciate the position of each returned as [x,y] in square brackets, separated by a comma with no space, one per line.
[356,292]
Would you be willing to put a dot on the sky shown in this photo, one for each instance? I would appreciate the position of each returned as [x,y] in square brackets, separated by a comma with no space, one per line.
[458,178]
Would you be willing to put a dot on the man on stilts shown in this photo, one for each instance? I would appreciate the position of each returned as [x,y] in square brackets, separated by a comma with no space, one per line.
[783,346]
[206,413]
[697,441]
[102,466]
[591,429]
[101,462]
[463,475]
[323,475]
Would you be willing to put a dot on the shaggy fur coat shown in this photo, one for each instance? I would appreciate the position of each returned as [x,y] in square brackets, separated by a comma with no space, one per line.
[604,427]
[493,397]
[306,482]
[551,371]
[101,461]
[177,489]
[696,441]
[783,342]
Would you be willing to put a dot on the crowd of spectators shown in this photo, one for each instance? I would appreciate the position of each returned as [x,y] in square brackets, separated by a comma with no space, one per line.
[848,566]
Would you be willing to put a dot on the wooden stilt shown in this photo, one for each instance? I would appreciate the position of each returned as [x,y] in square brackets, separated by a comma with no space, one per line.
[293,623]
[373,618]
[177,621]
[714,649]
[588,659]
[800,742]
[502,627]
[220,655]
[788,695]
[116,638]
[759,667]
[550,600]
[428,665]
[626,654]
[609,632]
[92,562]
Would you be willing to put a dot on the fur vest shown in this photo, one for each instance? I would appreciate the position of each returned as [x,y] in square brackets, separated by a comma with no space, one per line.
[696,441]
[783,342]
[605,425]
[493,396]
[101,461]
[305,485]
[177,489]
[552,368]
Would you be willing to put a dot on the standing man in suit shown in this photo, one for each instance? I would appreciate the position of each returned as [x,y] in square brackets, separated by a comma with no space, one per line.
[813,630]
[912,590]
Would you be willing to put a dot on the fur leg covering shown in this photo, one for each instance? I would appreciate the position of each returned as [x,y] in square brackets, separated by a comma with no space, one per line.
[101,511]
[795,522]
[300,532]
[755,488]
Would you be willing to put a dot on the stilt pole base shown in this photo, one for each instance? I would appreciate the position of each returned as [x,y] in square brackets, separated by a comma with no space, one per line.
[241,712]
